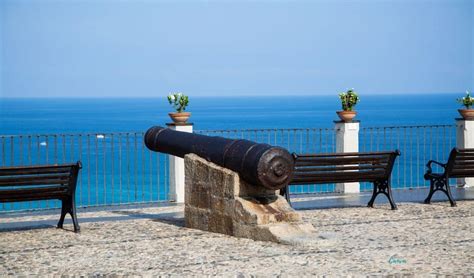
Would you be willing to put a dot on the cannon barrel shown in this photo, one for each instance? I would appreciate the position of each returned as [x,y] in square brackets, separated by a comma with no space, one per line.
[258,164]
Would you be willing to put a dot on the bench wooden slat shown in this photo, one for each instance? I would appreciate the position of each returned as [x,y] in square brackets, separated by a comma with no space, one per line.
[332,174]
[31,198]
[340,168]
[34,197]
[308,181]
[349,157]
[342,161]
[45,166]
[14,180]
[39,181]
[299,156]
[462,164]
[33,190]
[462,173]
[339,177]
[464,157]
[462,167]
[33,171]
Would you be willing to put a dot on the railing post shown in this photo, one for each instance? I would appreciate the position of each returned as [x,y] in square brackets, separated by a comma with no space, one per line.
[465,139]
[347,140]
[176,170]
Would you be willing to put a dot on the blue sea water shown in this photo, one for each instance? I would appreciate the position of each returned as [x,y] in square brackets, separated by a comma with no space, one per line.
[117,168]
[46,116]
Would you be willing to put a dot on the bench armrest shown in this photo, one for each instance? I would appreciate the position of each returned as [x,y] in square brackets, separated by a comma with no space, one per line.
[428,165]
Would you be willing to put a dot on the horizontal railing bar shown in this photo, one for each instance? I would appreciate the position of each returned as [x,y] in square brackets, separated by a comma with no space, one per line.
[221,131]
[405,126]
[262,130]
[318,129]
[71,134]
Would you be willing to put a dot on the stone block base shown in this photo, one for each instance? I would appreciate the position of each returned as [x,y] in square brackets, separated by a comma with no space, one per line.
[216,200]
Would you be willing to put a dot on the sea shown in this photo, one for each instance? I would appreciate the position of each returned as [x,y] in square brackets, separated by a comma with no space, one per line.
[105,134]
[69,115]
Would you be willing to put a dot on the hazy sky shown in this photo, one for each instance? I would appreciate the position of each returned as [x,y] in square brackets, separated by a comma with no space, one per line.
[102,48]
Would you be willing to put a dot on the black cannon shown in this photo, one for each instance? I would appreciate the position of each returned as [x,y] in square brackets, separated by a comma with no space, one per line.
[258,164]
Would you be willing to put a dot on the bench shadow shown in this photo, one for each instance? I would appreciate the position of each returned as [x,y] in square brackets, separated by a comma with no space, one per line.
[26,227]
[173,218]
[416,196]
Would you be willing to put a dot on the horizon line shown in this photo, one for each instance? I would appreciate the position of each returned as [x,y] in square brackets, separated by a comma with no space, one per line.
[224,96]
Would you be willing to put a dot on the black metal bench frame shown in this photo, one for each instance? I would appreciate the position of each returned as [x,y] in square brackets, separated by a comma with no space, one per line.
[460,165]
[375,167]
[42,182]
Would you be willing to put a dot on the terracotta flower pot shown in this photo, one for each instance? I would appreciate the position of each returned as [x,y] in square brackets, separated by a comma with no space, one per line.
[179,117]
[346,116]
[467,113]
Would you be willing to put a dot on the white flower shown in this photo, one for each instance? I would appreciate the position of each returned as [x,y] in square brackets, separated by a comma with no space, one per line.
[171,97]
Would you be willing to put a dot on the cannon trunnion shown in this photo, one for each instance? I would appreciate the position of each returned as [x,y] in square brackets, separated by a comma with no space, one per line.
[258,164]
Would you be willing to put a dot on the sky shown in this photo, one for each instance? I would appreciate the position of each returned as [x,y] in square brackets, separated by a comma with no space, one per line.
[112,48]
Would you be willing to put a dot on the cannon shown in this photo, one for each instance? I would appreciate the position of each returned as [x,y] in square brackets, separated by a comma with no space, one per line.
[257,164]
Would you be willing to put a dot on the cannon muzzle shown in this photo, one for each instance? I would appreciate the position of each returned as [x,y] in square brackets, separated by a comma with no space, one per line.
[258,164]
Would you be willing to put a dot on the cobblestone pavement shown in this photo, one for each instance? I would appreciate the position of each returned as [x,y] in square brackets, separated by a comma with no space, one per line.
[415,240]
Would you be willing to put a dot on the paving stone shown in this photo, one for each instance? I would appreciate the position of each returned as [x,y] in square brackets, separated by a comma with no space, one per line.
[421,240]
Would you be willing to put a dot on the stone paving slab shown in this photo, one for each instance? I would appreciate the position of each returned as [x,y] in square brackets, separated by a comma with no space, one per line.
[415,240]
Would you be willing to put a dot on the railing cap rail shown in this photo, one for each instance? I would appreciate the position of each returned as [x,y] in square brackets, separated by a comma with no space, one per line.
[72,134]
[121,133]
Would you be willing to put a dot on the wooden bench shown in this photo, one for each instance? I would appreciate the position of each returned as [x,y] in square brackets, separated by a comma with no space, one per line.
[43,182]
[375,167]
[460,165]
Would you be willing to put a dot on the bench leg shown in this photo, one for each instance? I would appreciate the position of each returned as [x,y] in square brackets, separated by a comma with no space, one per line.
[384,188]
[374,194]
[441,184]
[428,199]
[286,192]
[64,210]
[450,197]
[68,206]
[74,217]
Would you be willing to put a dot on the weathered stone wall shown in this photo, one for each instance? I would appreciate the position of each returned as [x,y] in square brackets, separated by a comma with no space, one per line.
[216,200]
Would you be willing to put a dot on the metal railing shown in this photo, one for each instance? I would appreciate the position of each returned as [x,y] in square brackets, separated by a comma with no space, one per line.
[310,140]
[117,168]
[417,145]
[307,140]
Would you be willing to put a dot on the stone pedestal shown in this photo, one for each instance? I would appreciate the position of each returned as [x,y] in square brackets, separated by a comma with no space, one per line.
[464,140]
[347,140]
[217,200]
[176,170]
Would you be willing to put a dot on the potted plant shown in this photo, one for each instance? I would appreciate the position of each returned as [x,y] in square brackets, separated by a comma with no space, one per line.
[179,103]
[467,102]
[349,99]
